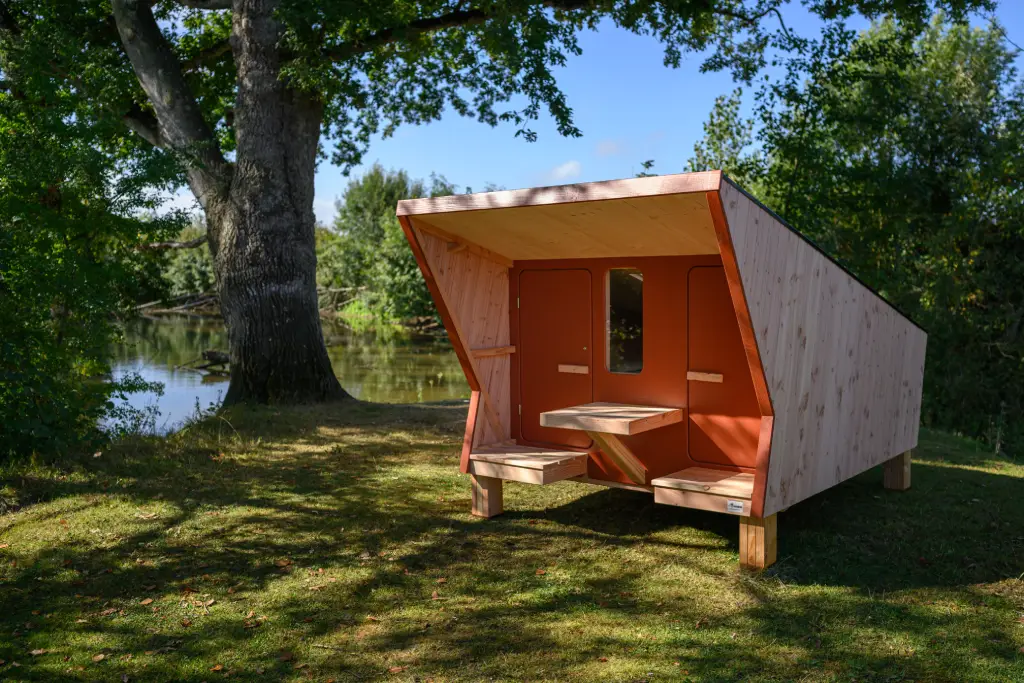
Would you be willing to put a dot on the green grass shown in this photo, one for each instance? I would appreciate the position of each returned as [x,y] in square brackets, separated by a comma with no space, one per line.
[336,543]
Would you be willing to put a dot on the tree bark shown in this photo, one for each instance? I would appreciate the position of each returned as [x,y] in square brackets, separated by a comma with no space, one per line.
[263,237]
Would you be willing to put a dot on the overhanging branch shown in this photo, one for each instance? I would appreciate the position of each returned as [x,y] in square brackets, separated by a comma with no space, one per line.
[145,125]
[454,19]
[180,126]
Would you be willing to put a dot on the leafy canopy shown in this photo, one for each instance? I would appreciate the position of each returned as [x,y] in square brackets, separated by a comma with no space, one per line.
[378,64]
[69,227]
[901,156]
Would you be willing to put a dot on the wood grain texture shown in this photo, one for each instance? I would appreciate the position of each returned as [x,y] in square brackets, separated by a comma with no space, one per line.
[701,501]
[611,418]
[489,351]
[620,454]
[705,480]
[896,472]
[844,369]
[749,338]
[456,244]
[659,225]
[705,181]
[474,291]
[759,546]
[527,464]
[714,377]
[467,438]
[530,457]
[487,496]
[574,369]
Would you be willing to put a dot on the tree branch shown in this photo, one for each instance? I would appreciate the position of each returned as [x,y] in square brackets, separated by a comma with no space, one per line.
[206,55]
[145,125]
[206,4]
[453,19]
[190,244]
[180,126]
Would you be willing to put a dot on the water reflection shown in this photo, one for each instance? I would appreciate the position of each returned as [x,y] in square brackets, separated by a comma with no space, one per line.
[380,367]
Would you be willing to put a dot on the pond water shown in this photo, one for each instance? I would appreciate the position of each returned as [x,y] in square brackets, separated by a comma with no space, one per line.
[383,367]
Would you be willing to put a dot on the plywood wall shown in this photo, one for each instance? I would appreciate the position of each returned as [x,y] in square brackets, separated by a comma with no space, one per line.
[844,369]
[475,293]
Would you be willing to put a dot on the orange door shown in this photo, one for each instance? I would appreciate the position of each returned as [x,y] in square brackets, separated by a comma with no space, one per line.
[554,330]
[724,418]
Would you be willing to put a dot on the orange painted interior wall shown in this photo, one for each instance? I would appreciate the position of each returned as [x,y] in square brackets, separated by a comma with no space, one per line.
[689,324]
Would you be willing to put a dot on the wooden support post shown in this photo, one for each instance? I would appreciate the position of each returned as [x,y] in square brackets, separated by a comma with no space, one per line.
[487,496]
[620,454]
[758,542]
[896,472]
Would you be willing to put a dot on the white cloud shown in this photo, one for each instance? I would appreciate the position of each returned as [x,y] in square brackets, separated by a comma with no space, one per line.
[609,148]
[566,171]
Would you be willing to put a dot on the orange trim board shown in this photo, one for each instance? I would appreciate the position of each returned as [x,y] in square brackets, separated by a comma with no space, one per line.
[442,308]
[678,183]
[739,300]
[467,440]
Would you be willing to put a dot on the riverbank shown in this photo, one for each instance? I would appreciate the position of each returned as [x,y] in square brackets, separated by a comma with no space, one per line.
[380,364]
[335,542]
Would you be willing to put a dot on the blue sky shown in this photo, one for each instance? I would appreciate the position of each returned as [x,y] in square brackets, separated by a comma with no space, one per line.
[629,106]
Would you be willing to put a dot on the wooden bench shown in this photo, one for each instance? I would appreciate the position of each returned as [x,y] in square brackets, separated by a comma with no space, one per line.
[706,489]
[527,464]
[490,465]
[605,422]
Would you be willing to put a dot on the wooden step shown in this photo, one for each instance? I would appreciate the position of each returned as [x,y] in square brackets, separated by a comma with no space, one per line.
[528,464]
[706,489]
[611,418]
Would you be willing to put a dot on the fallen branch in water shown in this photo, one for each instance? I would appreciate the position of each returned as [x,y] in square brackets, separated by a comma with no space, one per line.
[213,359]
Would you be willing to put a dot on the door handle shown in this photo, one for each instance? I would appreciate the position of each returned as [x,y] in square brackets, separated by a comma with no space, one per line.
[715,377]
[574,369]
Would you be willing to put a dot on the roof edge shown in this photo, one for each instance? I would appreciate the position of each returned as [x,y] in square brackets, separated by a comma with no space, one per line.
[678,183]
[814,245]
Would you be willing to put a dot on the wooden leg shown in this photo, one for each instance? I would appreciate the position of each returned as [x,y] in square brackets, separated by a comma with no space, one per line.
[620,454]
[487,496]
[758,542]
[896,472]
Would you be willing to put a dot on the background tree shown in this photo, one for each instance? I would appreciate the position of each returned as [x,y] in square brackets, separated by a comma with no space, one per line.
[368,256]
[901,157]
[239,93]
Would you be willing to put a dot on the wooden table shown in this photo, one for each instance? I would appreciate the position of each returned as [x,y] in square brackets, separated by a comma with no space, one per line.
[605,422]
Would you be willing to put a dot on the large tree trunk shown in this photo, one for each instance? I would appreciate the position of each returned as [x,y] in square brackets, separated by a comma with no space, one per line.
[263,237]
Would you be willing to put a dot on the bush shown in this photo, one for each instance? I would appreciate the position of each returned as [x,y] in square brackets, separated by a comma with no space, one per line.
[366,254]
[69,268]
[189,271]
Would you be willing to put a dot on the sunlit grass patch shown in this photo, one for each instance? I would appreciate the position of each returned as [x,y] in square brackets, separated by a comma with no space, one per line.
[335,542]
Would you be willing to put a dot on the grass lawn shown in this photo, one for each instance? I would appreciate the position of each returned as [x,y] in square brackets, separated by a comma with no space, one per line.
[335,543]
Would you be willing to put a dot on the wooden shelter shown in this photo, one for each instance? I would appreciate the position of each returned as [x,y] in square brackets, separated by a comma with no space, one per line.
[669,335]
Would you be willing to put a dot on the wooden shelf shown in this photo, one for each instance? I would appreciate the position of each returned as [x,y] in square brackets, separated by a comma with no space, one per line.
[527,464]
[611,418]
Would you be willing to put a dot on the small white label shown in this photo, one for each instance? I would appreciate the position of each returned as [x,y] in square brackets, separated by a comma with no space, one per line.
[734,506]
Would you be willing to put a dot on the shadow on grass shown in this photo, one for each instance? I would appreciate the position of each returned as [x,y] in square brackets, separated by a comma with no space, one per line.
[342,536]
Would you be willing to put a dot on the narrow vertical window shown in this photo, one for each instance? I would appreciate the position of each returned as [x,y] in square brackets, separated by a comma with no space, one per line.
[625,320]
